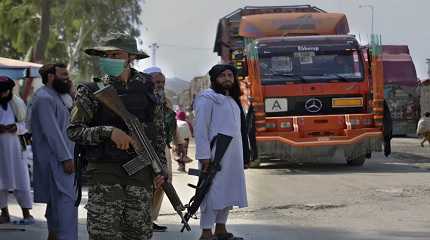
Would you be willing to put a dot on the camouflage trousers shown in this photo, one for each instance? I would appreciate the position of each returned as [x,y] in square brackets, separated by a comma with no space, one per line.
[117,212]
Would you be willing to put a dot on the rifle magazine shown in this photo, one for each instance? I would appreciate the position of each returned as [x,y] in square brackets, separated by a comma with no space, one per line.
[133,166]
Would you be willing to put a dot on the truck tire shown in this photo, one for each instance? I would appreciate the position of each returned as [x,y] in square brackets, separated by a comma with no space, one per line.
[356,162]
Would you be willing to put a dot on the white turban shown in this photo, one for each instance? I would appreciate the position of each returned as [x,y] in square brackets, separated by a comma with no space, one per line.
[153,69]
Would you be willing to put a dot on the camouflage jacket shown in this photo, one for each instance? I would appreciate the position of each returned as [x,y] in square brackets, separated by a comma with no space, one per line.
[86,106]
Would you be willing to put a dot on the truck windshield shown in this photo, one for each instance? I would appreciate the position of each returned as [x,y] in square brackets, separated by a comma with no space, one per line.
[279,67]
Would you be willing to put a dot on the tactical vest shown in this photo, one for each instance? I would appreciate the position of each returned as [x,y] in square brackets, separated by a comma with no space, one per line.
[139,100]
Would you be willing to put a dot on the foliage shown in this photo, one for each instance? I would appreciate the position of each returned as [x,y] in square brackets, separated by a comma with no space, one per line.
[74,26]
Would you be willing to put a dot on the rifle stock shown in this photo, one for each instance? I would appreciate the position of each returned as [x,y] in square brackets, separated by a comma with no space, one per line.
[109,97]
[141,144]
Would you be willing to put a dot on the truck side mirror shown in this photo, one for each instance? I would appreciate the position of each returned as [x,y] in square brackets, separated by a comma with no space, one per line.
[242,67]
[239,61]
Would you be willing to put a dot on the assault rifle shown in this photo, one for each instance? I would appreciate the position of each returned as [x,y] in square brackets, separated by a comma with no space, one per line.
[205,178]
[146,154]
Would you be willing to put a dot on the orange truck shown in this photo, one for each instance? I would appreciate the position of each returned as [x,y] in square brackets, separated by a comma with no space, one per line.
[312,91]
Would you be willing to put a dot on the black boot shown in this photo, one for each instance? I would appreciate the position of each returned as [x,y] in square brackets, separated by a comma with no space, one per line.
[158,228]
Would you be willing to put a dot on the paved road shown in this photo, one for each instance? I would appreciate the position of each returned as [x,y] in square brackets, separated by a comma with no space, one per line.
[387,198]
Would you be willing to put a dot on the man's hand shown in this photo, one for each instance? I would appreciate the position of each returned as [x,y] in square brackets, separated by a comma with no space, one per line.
[205,165]
[69,166]
[180,150]
[159,180]
[121,139]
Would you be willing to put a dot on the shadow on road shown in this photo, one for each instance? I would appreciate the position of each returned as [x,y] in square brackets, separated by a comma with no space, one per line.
[36,231]
[401,164]
[248,231]
[279,232]
[406,157]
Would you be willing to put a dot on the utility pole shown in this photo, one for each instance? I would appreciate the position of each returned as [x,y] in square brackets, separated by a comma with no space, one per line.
[428,63]
[372,8]
[154,48]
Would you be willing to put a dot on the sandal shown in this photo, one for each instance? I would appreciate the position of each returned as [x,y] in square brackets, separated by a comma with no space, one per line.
[227,236]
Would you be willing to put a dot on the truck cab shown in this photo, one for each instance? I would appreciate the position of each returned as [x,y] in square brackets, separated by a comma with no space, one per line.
[310,86]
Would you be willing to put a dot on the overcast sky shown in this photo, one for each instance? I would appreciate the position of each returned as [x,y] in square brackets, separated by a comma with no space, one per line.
[185,29]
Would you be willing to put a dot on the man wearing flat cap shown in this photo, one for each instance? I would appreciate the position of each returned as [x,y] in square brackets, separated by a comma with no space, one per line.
[13,168]
[119,206]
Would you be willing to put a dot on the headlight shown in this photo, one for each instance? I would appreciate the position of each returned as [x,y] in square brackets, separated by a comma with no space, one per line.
[355,122]
[285,125]
[367,122]
[272,105]
[270,125]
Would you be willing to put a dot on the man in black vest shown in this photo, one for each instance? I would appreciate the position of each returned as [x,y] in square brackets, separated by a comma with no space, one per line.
[119,206]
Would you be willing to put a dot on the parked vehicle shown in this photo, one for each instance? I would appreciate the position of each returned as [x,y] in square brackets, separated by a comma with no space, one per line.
[312,91]
[400,89]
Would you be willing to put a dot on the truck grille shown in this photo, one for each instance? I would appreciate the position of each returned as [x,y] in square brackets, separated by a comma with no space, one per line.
[316,105]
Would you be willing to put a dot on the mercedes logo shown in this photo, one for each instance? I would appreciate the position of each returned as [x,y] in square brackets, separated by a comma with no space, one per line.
[313,105]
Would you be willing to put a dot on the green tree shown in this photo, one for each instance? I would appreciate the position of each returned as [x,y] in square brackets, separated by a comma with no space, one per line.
[59,30]
[19,22]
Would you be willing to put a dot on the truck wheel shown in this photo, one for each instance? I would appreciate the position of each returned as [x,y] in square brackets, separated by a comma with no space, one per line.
[356,162]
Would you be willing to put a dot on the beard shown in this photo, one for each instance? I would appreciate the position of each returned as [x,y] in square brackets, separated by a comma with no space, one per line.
[62,86]
[4,101]
[160,94]
[222,88]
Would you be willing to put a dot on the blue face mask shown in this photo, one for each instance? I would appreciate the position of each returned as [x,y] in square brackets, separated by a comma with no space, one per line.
[112,67]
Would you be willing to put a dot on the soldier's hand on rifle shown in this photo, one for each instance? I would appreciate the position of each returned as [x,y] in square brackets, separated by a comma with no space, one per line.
[159,180]
[205,165]
[121,139]
[69,166]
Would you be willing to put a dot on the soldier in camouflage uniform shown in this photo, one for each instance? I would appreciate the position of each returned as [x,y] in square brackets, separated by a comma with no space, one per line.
[119,206]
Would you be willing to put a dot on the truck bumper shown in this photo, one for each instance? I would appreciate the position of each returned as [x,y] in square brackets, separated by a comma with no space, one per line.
[318,149]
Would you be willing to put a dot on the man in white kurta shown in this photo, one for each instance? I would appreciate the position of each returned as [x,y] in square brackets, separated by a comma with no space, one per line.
[53,153]
[14,175]
[218,111]
[159,81]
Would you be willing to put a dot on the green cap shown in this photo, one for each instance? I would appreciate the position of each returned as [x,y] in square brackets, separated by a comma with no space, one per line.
[122,42]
